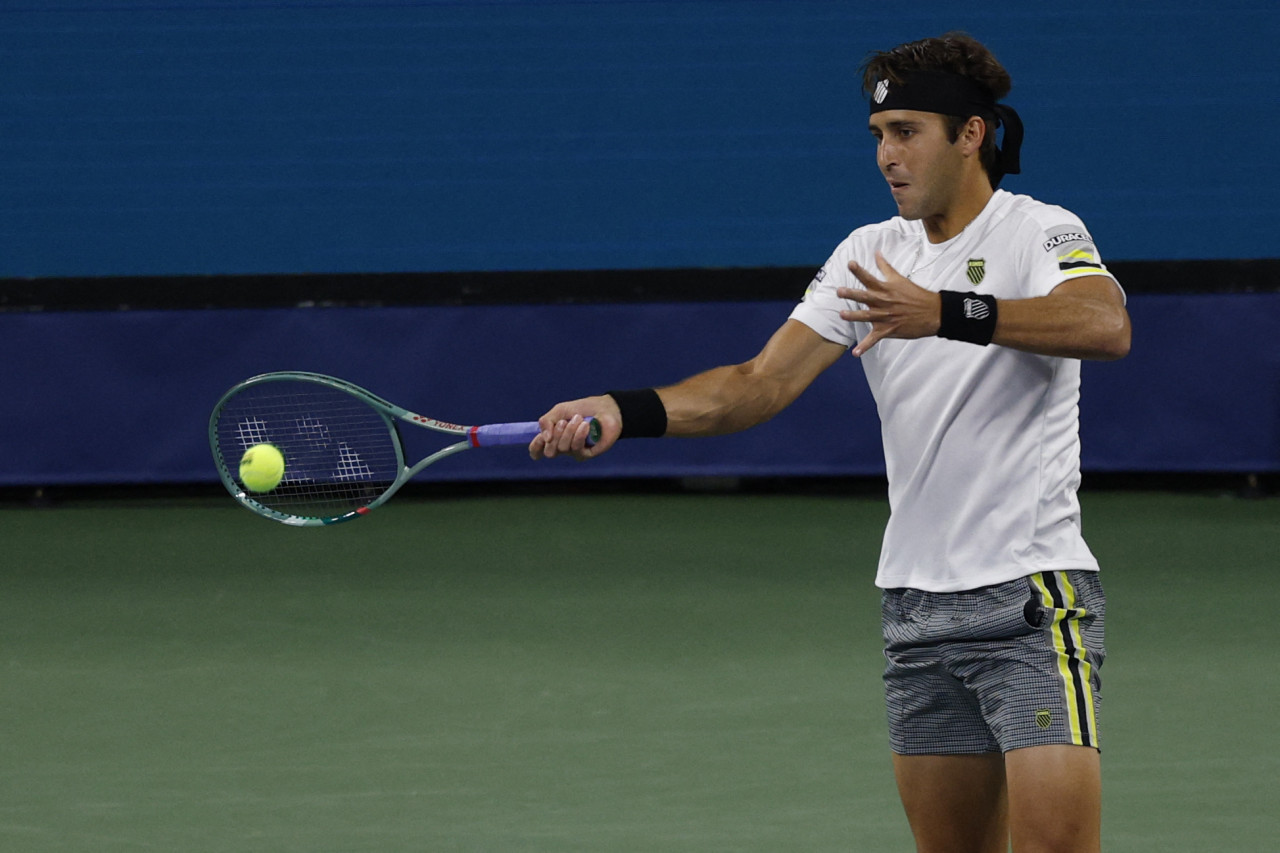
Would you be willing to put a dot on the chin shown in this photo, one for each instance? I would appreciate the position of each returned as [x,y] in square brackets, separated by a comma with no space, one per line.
[905,210]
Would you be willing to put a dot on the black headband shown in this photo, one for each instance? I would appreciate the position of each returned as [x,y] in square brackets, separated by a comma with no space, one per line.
[953,95]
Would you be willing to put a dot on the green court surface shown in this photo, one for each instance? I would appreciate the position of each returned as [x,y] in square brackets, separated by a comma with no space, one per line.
[656,672]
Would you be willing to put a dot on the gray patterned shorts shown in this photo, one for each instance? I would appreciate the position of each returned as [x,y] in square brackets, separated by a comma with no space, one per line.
[995,669]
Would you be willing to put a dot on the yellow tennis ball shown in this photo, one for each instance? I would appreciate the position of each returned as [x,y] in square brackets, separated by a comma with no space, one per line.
[262,467]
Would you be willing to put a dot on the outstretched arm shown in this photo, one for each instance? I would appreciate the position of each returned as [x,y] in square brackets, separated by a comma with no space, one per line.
[722,400]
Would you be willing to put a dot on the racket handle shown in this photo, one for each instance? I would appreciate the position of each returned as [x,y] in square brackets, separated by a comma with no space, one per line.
[492,435]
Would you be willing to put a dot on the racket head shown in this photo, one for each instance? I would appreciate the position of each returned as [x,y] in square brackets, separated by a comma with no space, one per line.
[342,450]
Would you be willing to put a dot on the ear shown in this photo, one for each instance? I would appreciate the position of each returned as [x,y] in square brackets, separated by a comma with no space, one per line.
[971,136]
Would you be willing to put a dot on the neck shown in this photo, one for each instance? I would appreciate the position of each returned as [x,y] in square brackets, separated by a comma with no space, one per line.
[970,199]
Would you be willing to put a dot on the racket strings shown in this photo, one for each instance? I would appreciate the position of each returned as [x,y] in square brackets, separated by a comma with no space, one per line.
[340,454]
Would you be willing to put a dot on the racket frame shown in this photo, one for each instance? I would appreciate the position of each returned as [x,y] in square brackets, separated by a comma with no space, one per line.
[391,414]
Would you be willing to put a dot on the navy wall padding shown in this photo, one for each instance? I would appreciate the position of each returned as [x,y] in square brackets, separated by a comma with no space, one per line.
[197,137]
[107,397]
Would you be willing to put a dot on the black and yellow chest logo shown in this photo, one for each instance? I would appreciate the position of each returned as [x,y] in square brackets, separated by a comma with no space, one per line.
[976,270]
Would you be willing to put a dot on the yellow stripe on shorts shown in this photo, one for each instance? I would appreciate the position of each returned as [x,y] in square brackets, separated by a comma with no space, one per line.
[1059,596]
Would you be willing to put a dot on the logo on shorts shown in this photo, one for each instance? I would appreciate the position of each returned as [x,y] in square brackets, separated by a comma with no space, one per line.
[977,270]
[1044,719]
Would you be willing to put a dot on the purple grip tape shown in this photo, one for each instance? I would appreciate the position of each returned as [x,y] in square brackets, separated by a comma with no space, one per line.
[492,435]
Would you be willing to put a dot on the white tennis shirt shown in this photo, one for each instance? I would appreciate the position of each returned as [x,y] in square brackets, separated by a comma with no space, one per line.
[982,444]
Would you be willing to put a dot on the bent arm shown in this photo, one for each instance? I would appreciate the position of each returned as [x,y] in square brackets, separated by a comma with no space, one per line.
[1084,318]
[1081,318]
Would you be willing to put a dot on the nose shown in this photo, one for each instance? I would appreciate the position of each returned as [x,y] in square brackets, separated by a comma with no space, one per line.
[886,155]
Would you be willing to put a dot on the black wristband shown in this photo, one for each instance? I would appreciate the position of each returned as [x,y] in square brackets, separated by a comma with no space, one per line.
[967,317]
[643,415]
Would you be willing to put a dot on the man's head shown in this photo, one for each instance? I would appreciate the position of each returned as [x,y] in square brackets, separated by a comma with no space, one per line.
[955,76]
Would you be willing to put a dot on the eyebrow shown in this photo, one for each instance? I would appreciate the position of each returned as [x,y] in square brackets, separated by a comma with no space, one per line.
[894,125]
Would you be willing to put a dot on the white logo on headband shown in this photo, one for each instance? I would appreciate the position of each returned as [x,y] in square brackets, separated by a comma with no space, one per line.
[882,91]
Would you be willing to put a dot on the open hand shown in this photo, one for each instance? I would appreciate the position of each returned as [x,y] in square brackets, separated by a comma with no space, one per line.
[894,305]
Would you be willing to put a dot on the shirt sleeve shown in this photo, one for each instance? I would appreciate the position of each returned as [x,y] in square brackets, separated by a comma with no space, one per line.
[820,308]
[1063,250]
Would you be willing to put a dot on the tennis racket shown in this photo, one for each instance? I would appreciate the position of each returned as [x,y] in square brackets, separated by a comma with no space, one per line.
[343,454]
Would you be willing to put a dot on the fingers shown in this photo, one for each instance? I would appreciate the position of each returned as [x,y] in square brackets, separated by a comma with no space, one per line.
[566,429]
[870,301]
[874,289]
[865,276]
[892,305]
[563,436]
[855,295]
[867,343]
[869,280]
[886,269]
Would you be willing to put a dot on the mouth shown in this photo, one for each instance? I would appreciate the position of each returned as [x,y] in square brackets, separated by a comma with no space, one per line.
[897,186]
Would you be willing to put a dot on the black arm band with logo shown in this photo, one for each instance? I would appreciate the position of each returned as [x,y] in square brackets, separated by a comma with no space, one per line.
[643,415]
[967,317]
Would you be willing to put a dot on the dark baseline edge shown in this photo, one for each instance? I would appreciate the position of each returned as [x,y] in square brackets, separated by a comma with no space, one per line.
[1234,484]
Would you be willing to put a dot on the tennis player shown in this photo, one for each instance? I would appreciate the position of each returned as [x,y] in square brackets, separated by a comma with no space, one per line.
[970,311]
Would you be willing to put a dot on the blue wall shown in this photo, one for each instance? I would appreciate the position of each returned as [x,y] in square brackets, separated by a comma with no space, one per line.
[259,137]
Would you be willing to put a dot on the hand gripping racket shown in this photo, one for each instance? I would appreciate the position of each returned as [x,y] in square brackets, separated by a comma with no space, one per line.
[343,454]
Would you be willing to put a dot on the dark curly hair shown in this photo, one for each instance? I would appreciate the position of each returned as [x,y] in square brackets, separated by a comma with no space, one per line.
[957,52]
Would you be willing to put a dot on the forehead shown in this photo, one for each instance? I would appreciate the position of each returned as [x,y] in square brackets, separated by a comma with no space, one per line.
[892,118]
